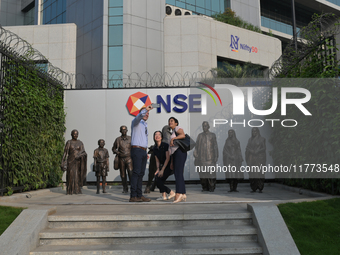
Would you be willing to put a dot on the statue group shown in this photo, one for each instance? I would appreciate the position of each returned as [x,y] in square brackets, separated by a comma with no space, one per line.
[74,160]
[206,156]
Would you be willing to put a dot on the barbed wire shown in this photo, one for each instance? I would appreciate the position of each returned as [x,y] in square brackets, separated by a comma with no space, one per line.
[136,80]
[20,48]
[165,80]
[309,38]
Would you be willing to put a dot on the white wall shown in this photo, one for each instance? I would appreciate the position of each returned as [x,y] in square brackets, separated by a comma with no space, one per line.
[10,13]
[56,42]
[248,10]
[143,36]
[98,114]
[192,43]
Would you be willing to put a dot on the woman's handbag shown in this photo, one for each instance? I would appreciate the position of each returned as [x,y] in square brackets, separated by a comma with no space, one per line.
[185,144]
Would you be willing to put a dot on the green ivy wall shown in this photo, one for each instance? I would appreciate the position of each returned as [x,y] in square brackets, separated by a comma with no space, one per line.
[34,125]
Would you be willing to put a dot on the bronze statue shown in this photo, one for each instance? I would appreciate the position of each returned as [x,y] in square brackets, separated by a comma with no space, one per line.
[206,154]
[74,162]
[101,164]
[166,132]
[256,156]
[122,147]
[232,157]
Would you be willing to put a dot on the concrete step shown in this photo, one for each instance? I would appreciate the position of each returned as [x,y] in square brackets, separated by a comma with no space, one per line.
[243,248]
[151,235]
[97,221]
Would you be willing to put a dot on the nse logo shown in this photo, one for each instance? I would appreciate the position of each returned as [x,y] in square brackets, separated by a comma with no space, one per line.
[138,100]
[235,43]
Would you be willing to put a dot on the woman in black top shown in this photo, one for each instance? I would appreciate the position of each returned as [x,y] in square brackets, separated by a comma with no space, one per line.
[162,156]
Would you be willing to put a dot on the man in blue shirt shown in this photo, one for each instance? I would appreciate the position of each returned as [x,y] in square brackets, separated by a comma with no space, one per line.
[139,144]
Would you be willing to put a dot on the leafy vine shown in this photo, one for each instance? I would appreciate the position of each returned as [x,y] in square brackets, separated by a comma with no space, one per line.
[34,125]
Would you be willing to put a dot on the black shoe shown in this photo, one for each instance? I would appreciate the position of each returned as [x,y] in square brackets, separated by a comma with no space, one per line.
[203,190]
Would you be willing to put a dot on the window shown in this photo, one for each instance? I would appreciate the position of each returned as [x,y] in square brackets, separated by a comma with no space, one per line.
[205,7]
[115,42]
[29,16]
[53,11]
[337,2]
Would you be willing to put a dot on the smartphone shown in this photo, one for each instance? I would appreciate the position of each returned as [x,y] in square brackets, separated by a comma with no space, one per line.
[155,105]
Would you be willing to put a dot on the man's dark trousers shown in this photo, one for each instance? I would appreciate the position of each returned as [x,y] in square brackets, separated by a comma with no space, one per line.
[139,158]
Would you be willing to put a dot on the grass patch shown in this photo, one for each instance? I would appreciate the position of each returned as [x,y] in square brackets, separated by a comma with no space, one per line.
[314,226]
[7,216]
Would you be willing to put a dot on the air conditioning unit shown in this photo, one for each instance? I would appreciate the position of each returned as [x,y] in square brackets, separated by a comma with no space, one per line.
[171,10]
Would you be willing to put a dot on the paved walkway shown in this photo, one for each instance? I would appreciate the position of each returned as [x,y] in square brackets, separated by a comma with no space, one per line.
[197,201]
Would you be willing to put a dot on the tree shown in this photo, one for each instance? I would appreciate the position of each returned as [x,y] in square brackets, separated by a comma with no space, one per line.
[248,70]
[230,17]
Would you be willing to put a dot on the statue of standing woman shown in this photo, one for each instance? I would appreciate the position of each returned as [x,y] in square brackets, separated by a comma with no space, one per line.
[74,162]
[256,156]
[232,156]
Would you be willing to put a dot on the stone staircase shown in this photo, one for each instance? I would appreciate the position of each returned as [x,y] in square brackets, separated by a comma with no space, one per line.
[220,233]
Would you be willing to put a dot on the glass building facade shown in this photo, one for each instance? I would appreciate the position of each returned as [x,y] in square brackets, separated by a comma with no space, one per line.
[115,43]
[277,15]
[53,11]
[205,7]
[278,26]
[29,16]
